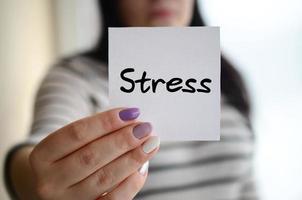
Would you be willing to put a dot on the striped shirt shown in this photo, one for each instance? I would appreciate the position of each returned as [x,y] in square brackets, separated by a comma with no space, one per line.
[222,170]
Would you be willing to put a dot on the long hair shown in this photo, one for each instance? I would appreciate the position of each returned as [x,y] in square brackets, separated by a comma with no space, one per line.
[232,85]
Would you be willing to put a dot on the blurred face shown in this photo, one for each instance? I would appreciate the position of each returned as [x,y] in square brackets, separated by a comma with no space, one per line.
[156,12]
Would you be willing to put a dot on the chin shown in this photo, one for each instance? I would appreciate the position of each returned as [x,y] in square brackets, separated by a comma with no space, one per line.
[164,22]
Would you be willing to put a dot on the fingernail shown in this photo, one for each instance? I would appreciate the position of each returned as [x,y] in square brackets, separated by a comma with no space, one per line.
[142,130]
[144,169]
[129,114]
[151,144]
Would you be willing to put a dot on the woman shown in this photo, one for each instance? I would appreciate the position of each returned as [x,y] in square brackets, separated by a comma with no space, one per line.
[102,156]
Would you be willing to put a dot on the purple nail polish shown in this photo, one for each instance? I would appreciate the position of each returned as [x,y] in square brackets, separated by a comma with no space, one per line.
[129,114]
[142,130]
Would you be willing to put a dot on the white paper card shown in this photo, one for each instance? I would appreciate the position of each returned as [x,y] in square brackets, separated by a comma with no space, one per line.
[180,93]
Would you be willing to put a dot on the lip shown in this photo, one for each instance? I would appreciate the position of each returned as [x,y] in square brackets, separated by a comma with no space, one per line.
[161,13]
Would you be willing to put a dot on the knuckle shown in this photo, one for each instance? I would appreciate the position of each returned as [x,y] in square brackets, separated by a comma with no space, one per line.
[104,178]
[108,122]
[33,157]
[87,157]
[112,197]
[124,141]
[137,157]
[44,191]
[137,184]
[78,131]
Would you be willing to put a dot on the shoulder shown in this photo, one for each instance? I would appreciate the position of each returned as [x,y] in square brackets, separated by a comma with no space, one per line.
[80,66]
[88,77]
[79,72]
[75,76]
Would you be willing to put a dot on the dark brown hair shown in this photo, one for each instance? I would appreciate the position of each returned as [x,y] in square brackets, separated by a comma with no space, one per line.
[232,85]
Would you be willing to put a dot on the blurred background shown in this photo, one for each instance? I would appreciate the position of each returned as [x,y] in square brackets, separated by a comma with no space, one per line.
[263,38]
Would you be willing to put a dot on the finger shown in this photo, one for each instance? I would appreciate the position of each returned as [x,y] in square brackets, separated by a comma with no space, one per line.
[142,170]
[128,189]
[79,133]
[115,172]
[82,163]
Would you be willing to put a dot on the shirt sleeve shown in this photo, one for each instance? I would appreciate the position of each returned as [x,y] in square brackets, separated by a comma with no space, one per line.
[63,97]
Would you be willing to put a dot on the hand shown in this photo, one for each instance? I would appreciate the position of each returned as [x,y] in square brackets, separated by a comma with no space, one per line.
[95,158]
